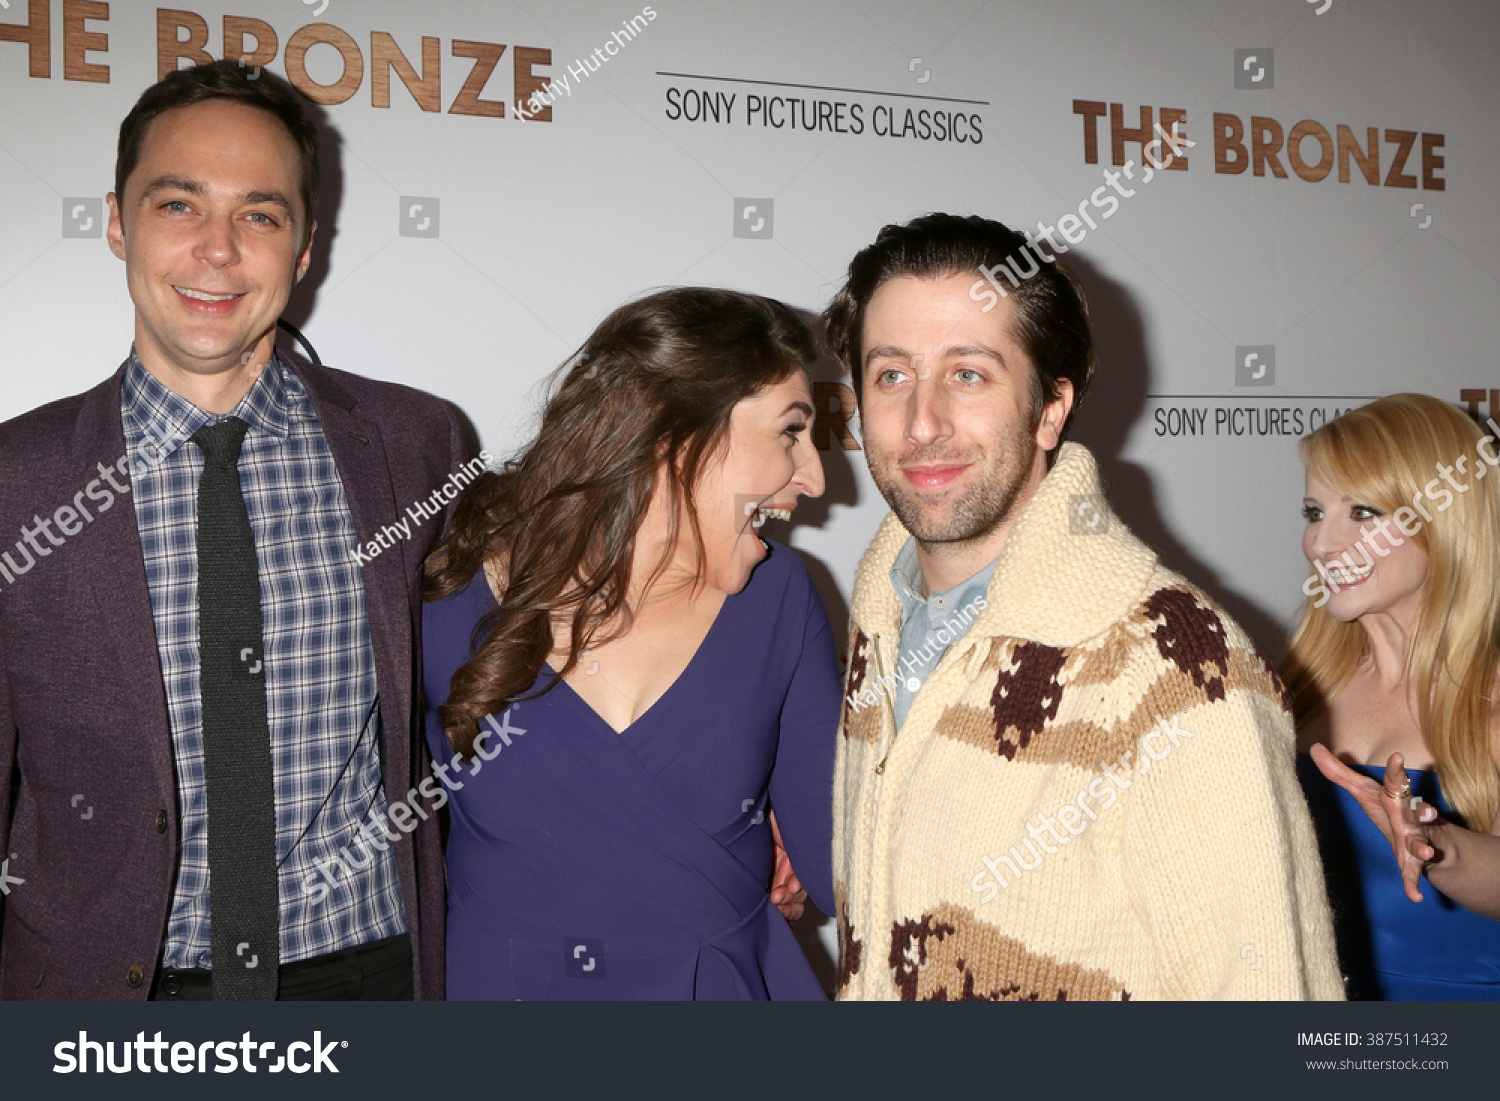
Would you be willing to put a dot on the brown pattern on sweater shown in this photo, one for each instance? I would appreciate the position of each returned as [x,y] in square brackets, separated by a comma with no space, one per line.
[1105,660]
[1174,620]
[1048,673]
[1192,637]
[1175,692]
[851,949]
[950,955]
[864,723]
[1256,670]
[859,662]
[1026,695]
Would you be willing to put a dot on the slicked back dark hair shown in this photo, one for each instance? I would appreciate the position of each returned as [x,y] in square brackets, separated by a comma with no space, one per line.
[1052,317]
[222,80]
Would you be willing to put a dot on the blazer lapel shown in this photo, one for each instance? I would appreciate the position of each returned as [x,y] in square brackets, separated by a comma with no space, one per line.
[117,575]
[359,453]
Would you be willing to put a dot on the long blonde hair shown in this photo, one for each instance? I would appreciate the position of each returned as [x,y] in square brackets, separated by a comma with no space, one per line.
[1384,454]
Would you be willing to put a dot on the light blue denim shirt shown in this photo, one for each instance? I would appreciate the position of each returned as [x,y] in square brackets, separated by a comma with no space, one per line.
[921,620]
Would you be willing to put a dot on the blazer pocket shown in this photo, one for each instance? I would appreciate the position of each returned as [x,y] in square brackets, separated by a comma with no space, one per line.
[26,956]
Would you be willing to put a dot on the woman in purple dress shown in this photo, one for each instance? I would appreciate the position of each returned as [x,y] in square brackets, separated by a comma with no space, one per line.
[624,679]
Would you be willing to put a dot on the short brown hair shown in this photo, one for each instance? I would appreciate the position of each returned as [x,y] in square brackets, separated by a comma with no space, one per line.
[221,80]
[1052,316]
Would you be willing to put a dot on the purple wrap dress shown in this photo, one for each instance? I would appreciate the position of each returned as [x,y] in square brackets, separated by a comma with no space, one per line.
[585,863]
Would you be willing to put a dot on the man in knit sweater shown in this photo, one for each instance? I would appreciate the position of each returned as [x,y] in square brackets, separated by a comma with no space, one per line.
[1063,772]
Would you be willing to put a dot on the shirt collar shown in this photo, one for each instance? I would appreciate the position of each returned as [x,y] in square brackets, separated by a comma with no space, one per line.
[165,420]
[1058,581]
[906,579]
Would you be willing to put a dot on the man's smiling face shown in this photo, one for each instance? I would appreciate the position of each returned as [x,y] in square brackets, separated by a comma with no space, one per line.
[213,234]
[954,433]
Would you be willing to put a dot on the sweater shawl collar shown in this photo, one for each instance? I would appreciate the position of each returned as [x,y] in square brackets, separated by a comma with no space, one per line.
[1070,568]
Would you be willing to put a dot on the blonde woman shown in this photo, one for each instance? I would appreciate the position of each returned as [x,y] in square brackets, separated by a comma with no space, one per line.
[1393,671]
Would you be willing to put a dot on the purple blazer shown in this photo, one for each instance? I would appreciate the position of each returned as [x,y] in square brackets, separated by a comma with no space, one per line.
[83,707]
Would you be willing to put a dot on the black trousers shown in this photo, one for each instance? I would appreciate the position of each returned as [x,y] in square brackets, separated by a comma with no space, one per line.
[380,971]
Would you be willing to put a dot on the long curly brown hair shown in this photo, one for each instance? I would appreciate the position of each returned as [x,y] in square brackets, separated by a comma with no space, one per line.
[650,391]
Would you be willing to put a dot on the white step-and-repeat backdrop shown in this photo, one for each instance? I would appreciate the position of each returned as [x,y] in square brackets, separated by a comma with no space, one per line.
[1331,234]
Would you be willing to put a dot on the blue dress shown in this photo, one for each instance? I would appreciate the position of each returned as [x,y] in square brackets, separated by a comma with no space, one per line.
[1391,948]
[588,864]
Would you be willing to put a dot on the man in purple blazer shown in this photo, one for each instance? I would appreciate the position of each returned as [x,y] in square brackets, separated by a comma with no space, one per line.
[209,618]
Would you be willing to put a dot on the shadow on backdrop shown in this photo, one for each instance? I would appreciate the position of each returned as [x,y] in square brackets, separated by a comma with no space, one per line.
[299,308]
[303,300]
[1115,402]
[840,479]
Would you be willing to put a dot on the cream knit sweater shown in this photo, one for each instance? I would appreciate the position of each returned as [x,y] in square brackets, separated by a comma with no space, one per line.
[1093,795]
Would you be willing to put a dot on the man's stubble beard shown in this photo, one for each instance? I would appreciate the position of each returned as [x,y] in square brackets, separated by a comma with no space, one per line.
[982,508]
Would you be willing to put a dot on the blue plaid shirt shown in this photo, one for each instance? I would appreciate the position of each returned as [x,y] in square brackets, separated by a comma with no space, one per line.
[321,701]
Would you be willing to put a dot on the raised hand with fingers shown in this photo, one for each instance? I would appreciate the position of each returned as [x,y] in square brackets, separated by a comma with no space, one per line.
[1409,830]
